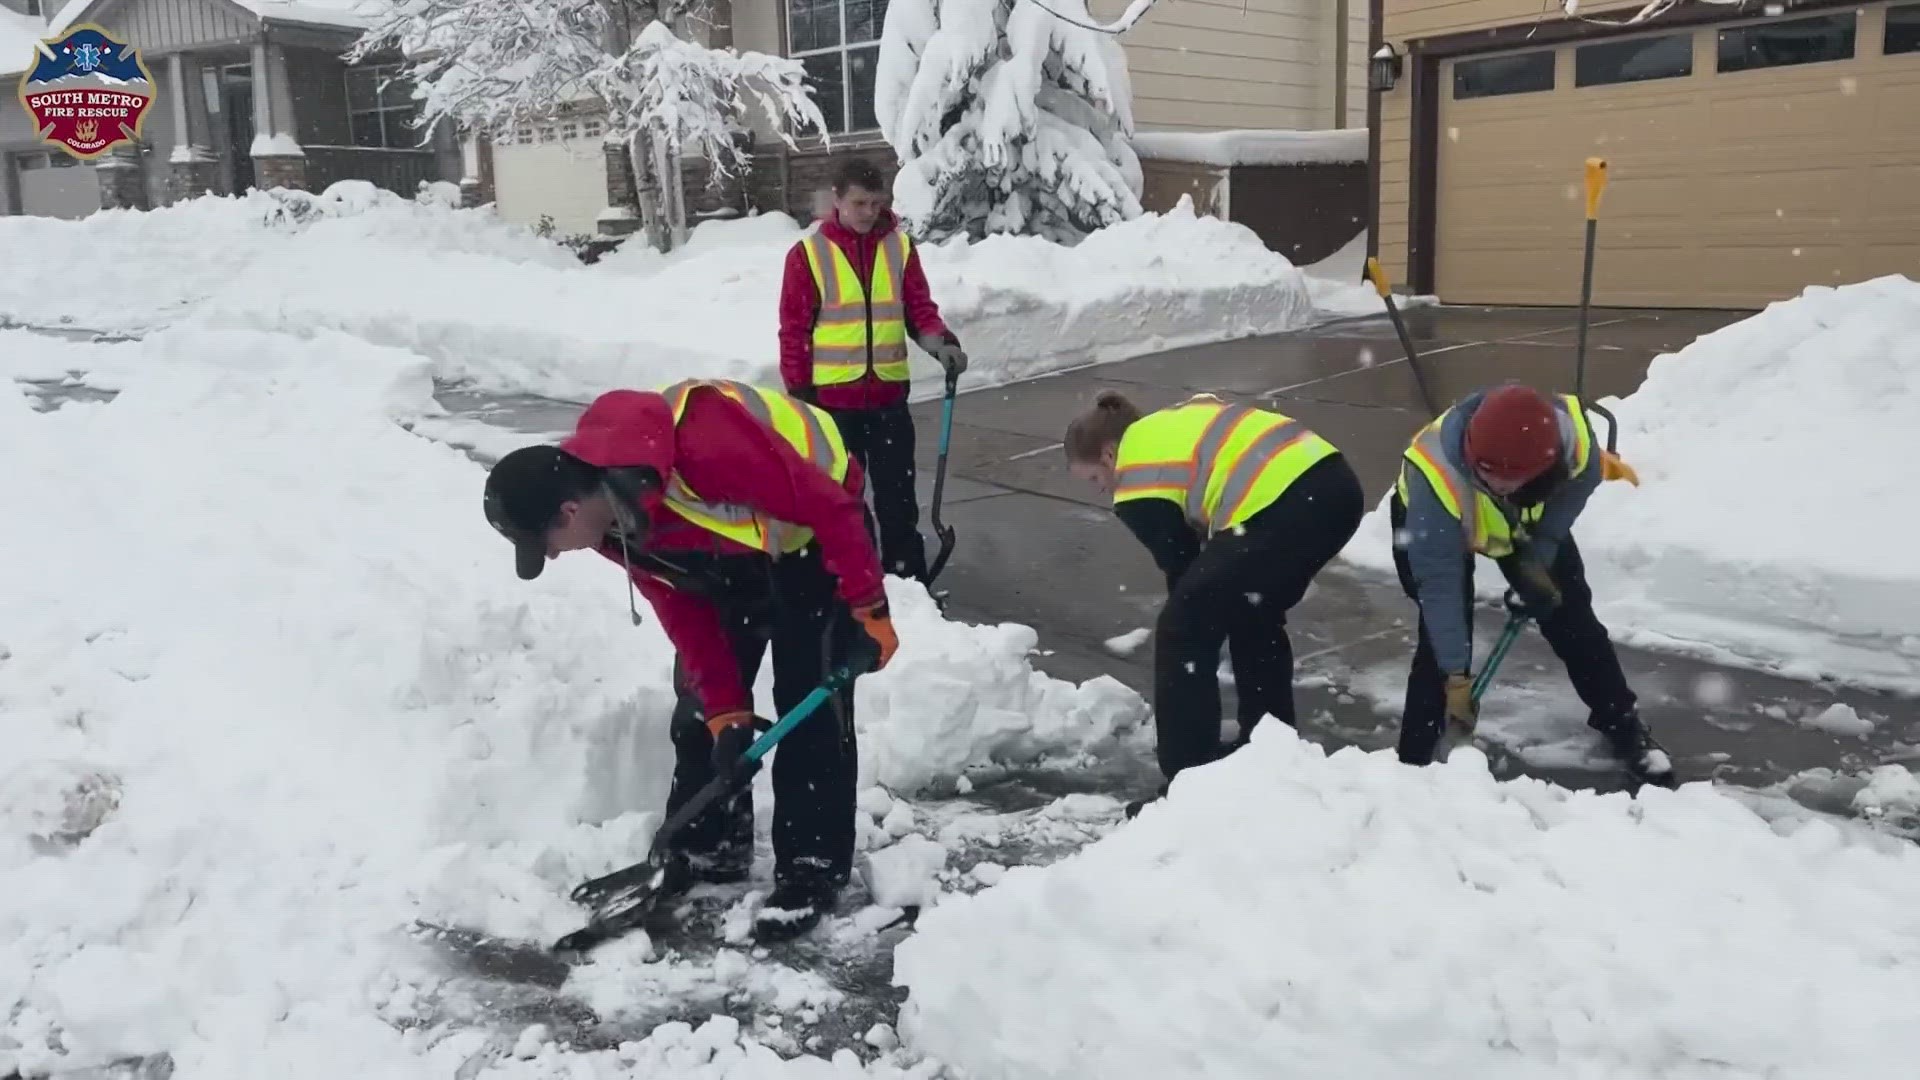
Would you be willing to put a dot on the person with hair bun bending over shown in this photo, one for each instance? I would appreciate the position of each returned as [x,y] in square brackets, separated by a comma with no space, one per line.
[1240,508]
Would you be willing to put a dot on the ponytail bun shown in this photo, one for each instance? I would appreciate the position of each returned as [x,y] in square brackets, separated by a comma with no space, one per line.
[1100,427]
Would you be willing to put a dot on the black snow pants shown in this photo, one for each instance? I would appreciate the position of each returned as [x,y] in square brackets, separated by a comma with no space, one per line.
[1240,588]
[882,441]
[1575,633]
[789,603]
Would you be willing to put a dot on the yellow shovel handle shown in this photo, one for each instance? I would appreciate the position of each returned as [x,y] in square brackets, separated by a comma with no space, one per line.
[1596,183]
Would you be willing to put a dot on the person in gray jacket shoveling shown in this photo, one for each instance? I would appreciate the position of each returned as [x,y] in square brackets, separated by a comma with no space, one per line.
[1505,473]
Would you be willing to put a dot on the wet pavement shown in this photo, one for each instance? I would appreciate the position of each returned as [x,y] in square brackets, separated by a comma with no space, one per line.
[1031,538]
[1037,547]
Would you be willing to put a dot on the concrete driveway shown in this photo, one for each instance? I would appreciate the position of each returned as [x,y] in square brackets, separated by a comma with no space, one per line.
[1037,547]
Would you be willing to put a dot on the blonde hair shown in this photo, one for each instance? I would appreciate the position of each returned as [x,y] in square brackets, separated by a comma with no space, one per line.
[1101,426]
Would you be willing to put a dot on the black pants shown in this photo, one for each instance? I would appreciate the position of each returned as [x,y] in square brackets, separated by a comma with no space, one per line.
[793,607]
[1239,589]
[1576,634]
[882,441]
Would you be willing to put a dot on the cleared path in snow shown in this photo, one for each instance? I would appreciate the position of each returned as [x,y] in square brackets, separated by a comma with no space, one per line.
[1035,546]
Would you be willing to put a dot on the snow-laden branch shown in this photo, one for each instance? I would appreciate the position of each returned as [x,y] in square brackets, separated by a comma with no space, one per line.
[1653,10]
[1006,118]
[492,64]
[1134,13]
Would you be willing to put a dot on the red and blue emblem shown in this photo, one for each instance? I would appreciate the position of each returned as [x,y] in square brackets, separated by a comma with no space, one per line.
[86,92]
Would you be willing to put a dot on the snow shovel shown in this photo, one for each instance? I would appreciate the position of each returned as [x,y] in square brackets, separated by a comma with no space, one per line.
[943,531]
[1516,621]
[623,898]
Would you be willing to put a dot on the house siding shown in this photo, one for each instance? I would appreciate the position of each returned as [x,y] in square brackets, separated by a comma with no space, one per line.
[157,26]
[1202,65]
[1195,65]
[1403,21]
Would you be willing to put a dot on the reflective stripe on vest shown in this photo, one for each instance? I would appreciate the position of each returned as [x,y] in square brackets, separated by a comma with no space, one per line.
[809,430]
[854,332]
[1221,463]
[1488,530]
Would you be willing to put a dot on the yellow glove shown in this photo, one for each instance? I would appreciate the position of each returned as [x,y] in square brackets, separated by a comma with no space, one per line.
[1462,713]
[1613,468]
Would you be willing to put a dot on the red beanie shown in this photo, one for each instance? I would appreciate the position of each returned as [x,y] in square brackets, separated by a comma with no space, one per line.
[1514,435]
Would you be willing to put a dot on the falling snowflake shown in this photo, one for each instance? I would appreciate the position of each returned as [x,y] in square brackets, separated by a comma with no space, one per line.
[1713,690]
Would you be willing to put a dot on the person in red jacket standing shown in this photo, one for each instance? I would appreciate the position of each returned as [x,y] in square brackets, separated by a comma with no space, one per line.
[853,294]
[738,513]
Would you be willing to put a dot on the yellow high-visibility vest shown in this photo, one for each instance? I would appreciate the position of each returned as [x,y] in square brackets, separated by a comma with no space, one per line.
[855,330]
[1488,531]
[1220,463]
[810,430]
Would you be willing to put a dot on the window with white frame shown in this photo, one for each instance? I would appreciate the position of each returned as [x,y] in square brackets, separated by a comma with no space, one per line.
[380,108]
[839,43]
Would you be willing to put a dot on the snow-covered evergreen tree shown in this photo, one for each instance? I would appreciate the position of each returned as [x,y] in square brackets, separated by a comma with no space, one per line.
[1007,118]
[491,64]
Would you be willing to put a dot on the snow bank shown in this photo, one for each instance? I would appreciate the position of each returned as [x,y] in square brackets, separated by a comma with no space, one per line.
[18,35]
[1254,146]
[1287,913]
[512,312]
[1772,527]
[272,694]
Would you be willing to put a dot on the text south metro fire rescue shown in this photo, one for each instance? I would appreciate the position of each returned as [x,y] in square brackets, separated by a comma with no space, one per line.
[102,103]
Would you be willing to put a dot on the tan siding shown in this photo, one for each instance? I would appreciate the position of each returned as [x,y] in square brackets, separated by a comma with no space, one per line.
[1404,19]
[1724,189]
[756,28]
[1186,58]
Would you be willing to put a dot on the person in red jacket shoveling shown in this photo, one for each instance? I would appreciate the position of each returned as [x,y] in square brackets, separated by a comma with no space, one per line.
[738,512]
[852,295]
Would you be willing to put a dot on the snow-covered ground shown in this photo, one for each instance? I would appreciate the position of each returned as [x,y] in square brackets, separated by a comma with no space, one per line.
[1286,913]
[509,312]
[1771,527]
[272,694]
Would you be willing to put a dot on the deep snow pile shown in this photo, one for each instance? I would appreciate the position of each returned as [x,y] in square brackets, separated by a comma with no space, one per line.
[492,303]
[272,693]
[1772,526]
[1286,913]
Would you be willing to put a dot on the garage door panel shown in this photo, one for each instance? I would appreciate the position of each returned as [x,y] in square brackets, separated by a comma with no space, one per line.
[1724,189]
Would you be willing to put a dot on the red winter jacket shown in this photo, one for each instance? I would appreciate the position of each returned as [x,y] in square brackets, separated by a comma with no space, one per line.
[800,302]
[723,453]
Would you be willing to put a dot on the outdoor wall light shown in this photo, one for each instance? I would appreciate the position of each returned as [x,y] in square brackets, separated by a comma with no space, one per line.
[1383,70]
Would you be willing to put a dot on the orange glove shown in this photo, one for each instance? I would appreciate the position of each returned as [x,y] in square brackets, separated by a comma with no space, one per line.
[878,623]
[721,722]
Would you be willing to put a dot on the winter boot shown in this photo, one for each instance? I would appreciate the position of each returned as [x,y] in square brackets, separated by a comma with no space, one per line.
[1645,759]
[1137,805]
[798,903]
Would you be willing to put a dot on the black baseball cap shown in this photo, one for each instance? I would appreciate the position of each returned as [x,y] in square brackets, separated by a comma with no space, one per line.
[525,490]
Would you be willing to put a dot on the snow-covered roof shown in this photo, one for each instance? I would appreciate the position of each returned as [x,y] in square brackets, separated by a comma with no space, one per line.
[17,34]
[350,14]
[1254,146]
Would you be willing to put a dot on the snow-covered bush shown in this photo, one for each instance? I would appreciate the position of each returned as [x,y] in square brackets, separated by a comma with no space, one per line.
[1007,119]
[489,65]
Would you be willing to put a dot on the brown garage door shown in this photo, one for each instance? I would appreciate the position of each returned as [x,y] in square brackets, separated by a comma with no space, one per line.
[1747,161]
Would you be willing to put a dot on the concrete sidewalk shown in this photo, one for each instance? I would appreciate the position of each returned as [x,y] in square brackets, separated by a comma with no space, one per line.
[1037,547]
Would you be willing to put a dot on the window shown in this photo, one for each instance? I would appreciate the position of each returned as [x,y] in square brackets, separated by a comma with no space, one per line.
[1520,73]
[1669,56]
[1786,42]
[1903,30]
[380,108]
[838,41]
